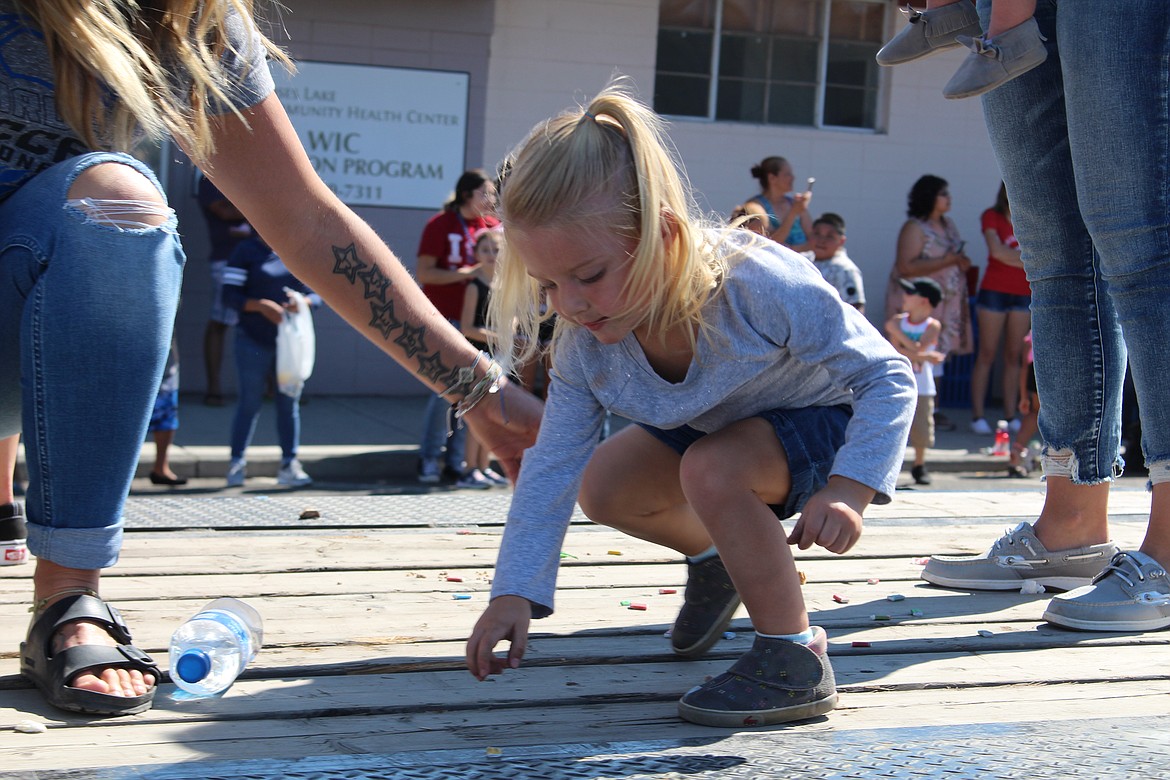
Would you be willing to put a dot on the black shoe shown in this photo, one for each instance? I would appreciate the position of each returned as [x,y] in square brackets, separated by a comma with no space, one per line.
[711,600]
[162,479]
[920,474]
[13,533]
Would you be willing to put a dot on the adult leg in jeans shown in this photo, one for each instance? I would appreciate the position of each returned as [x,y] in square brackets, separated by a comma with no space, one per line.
[1119,134]
[88,293]
[1082,142]
[1080,358]
[288,425]
[434,434]
[254,363]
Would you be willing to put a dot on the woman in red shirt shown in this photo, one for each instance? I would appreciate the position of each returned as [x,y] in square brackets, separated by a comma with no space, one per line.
[1002,312]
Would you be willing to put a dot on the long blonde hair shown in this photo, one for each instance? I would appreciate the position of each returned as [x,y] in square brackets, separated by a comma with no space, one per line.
[605,167]
[113,62]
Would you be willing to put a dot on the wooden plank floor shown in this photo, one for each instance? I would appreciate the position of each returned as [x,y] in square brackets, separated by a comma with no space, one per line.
[364,644]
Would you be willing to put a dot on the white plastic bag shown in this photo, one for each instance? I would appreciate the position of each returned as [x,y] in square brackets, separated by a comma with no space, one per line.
[296,347]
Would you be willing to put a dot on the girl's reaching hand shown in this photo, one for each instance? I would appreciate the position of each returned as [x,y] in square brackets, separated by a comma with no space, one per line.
[506,617]
[832,516]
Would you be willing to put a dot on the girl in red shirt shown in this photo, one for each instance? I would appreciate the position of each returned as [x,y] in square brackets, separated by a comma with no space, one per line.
[1002,313]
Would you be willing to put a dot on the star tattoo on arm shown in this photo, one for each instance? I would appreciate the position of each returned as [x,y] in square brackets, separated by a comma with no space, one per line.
[345,262]
[382,316]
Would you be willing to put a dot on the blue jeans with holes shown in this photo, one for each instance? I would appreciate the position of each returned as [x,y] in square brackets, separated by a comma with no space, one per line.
[1083,143]
[255,362]
[86,314]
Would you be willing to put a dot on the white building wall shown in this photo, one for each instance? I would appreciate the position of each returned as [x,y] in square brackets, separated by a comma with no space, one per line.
[450,35]
[548,55]
[529,59]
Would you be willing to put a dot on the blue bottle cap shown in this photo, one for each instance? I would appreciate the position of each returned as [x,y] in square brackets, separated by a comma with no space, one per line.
[193,665]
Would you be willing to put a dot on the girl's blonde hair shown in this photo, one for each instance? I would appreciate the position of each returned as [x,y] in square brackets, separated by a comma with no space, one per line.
[154,66]
[605,167]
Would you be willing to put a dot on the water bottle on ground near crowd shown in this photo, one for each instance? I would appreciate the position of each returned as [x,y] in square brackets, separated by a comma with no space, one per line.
[209,651]
[1003,439]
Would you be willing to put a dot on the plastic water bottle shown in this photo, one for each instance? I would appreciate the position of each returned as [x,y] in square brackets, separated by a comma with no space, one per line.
[209,651]
[1003,439]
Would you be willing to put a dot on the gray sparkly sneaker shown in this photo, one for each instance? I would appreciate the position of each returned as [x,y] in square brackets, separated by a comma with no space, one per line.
[1132,594]
[1018,556]
[777,681]
[710,601]
[929,32]
[994,61]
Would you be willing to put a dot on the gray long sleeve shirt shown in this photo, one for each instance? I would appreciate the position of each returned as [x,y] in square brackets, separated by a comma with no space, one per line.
[783,339]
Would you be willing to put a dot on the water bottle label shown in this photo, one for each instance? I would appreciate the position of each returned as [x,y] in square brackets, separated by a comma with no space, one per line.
[236,626]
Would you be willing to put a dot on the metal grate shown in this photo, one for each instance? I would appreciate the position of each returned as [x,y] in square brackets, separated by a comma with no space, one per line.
[1099,748]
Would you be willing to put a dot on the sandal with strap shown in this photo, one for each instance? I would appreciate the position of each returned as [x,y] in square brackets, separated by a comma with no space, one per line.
[51,672]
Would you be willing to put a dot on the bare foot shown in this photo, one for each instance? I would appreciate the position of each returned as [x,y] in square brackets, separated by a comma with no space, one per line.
[52,582]
[115,682]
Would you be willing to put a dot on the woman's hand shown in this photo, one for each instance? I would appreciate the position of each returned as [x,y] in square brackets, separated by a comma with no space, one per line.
[800,202]
[507,617]
[506,423]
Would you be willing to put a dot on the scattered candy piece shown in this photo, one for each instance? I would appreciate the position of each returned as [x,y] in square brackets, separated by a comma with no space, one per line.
[454,579]
[986,632]
[567,555]
[639,607]
[493,751]
[872,581]
[460,596]
[666,591]
[840,599]
[30,727]
[310,514]
[916,613]
[803,577]
[1031,586]
[879,617]
[464,532]
[861,644]
[729,635]
[614,552]
[920,561]
[895,597]
[625,603]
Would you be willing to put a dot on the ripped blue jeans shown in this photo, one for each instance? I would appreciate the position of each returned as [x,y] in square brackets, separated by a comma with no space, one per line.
[88,294]
[1083,143]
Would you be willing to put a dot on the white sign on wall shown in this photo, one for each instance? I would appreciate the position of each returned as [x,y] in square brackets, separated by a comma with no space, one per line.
[380,136]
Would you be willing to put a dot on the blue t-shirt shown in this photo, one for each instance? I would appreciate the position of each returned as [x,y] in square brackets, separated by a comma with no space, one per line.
[254,271]
[796,236]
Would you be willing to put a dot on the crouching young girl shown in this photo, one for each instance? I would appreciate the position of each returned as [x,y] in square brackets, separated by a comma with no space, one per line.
[757,394]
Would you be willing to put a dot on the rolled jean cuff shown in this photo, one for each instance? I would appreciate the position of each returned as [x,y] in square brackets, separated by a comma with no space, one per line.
[1064,463]
[1159,473]
[76,548]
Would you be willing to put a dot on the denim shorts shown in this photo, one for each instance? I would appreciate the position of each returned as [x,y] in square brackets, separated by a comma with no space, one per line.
[1001,302]
[810,438]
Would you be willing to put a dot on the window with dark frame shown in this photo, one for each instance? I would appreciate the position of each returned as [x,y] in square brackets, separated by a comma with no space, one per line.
[777,62]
